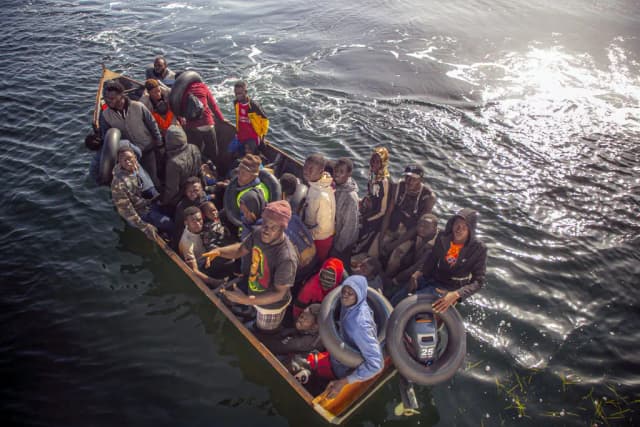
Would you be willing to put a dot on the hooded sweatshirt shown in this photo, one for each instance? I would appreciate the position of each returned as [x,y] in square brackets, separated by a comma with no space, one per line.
[359,330]
[183,161]
[471,265]
[320,208]
[312,291]
[347,214]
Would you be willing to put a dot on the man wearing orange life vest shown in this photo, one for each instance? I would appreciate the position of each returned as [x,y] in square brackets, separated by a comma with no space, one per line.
[456,267]
[252,123]
[157,101]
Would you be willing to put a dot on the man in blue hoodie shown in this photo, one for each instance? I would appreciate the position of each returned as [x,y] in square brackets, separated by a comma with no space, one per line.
[358,329]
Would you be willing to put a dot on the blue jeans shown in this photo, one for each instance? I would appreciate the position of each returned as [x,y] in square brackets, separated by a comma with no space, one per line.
[339,370]
[425,287]
[159,219]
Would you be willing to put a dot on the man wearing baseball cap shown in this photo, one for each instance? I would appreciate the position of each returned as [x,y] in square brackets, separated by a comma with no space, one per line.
[412,199]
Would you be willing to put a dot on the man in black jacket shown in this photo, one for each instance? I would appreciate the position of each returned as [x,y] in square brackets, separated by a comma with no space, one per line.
[456,267]
[183,161]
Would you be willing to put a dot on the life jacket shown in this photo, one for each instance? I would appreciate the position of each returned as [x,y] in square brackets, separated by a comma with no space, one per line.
[260,186]
[163,122]
[259,123]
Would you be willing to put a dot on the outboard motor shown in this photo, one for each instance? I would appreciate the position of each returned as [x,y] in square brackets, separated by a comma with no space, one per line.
[422,336]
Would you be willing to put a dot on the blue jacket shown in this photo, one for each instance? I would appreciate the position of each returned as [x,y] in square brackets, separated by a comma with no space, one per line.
[302,240]
[359,330]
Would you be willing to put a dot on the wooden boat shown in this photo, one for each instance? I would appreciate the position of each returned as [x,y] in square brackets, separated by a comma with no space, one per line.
[352,396]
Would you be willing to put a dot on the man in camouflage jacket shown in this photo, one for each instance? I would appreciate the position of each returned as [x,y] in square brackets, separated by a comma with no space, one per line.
[126,192]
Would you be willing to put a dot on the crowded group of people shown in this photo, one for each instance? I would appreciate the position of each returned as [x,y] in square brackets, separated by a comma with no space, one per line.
[289,252]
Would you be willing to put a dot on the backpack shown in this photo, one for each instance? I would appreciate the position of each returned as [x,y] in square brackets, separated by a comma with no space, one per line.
[194,108]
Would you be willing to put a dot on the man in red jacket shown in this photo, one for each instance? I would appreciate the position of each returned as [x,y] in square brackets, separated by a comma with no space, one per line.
[319,285]
[201,130]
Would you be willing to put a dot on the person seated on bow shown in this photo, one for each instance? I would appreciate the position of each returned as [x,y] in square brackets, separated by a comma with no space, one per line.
[159,70]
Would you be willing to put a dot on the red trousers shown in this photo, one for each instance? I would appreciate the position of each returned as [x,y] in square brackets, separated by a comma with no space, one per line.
[320,364]
[322,248]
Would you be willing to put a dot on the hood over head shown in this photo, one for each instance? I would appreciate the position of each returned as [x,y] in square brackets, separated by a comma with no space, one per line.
[348,186]
[176,138]
[337,267]
[357,322]
[254,201]
[359,285]
[471,218]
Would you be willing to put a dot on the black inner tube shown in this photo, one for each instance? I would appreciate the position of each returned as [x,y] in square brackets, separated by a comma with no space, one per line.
[108,156]
[449,361]
[329,335]
[179,87]
[230,202]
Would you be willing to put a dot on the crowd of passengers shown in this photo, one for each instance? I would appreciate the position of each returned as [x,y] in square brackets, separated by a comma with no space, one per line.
[288,254]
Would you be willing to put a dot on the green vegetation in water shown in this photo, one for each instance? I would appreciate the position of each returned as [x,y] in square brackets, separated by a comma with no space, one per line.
[612,408]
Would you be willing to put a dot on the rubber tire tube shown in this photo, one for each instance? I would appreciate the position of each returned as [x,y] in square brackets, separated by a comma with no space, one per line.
[300,194]
[442,369]
[272,183]
[230,204]
[108,156]
[181,84]
[329,335]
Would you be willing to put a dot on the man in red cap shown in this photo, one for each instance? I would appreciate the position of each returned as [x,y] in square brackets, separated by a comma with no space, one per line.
[274,262]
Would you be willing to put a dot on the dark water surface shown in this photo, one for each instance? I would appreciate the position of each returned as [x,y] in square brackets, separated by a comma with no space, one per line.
[528,112]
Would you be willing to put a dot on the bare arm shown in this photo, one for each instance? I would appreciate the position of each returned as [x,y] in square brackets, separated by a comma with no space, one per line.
[240,297]
[234,251]
[194,266]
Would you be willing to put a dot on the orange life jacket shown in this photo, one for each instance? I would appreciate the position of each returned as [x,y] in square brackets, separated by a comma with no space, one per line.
[163,122]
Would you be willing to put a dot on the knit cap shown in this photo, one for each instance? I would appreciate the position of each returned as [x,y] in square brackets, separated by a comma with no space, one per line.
[279,212]
[151,84]
[251,162]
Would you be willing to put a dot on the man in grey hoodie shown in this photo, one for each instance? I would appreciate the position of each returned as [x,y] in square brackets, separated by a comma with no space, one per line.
[183,161]
[347,211]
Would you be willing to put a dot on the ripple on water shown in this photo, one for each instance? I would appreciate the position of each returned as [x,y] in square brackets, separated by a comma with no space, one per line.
[541,138]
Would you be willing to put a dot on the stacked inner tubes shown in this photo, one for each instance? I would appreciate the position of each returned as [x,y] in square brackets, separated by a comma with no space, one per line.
[329,335]
[297,199]
[391,334]
[447,363]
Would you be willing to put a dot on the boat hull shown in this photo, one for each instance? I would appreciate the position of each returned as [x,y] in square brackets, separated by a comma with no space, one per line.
[336,410]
